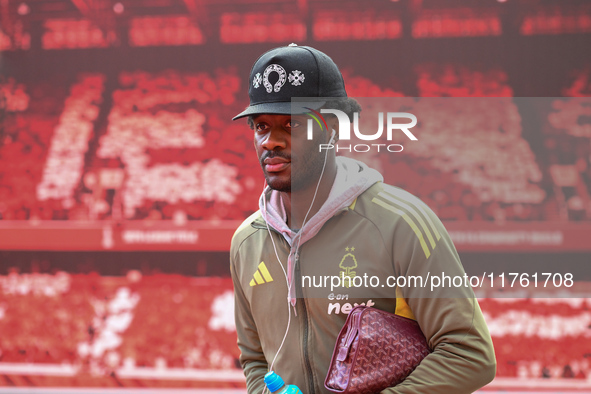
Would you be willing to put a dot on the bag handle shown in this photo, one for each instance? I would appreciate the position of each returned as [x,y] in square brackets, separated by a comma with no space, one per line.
[350,337]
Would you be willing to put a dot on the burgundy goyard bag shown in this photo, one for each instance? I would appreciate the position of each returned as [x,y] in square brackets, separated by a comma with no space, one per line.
[374,350]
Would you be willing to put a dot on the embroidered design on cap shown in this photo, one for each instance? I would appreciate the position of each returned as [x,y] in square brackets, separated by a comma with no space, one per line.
[296,78]
[256,81]
[280,82]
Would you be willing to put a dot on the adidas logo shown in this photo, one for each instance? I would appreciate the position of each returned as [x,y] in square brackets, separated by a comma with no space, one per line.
[261,275]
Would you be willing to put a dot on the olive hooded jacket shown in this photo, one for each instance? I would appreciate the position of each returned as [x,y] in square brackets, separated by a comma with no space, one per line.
[372,237]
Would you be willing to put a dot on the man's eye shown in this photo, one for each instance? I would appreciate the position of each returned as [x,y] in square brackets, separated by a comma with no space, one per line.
[260,127]
[293,124]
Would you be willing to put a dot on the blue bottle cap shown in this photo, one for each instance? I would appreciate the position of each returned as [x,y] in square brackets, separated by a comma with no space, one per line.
[273,381]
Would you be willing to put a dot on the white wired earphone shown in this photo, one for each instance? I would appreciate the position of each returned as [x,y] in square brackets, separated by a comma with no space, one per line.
[330,142]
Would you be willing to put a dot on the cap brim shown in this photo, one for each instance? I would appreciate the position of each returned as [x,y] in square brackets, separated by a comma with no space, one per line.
[280,108]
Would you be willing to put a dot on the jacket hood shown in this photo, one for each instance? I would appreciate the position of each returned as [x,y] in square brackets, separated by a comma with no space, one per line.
[353,178]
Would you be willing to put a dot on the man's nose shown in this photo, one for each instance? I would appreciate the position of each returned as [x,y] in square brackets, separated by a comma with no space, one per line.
[275,139]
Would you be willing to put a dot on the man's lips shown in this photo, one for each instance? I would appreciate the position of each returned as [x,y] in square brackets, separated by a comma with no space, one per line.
[276,164]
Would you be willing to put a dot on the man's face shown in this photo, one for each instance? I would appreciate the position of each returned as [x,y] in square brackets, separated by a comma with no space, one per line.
[290,162]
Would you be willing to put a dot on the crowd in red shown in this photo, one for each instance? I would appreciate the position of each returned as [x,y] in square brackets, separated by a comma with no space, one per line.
[197,312]
[164,30]
[33,112]
[101,324]
[176,155]
[182,155]
[65,158]
[44,317]
[540,338]
[73,33]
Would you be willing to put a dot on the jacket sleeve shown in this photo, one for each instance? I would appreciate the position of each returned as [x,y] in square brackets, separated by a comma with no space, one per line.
[463,357]
[252,359]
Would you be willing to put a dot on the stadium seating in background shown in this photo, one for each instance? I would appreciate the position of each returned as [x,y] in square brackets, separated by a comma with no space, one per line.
[568,144]
[358,86]
[349,25]
[186,309]
[164,30]
[479,168]
[103,323]
[549,20]
[15,96]
[44,317]
[165,139]
[99,324]
[65,160]
[460,22]
[73,33]
[451,80]
[485,153]
[33,112]
[269,26]
[536,338]
[180,152]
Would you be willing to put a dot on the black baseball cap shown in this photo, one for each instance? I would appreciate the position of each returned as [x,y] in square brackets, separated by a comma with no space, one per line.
[291,71]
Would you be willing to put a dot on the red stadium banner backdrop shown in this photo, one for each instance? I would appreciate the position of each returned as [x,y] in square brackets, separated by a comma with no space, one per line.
[216,236]
[173,331]
[129,236]
[88,330]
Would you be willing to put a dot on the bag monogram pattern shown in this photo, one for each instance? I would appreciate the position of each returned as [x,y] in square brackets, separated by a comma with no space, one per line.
[374,350]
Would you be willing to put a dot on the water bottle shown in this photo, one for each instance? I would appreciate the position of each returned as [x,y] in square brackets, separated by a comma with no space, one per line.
[276,385]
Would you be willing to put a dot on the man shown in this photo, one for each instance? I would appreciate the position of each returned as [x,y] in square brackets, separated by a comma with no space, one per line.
[327,216]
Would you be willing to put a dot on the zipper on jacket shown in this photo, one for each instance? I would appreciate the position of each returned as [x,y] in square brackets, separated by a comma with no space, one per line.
[299,294]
